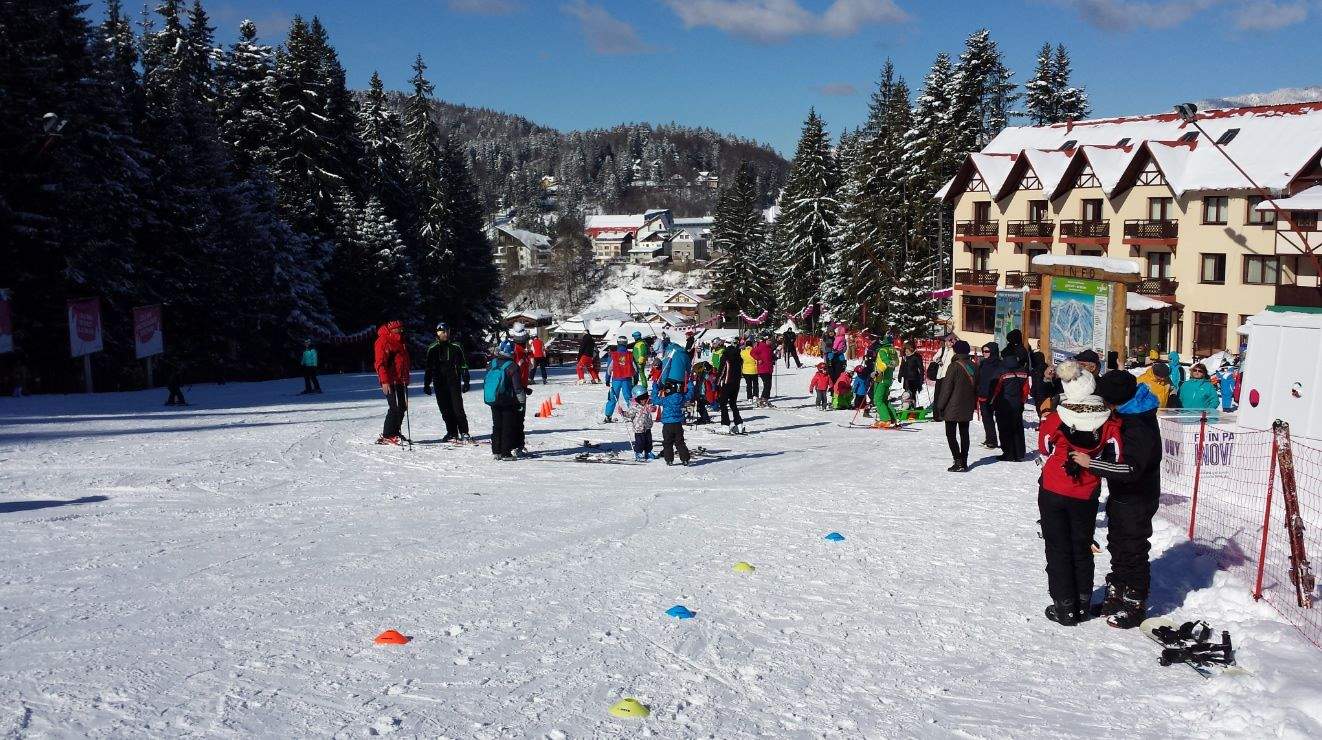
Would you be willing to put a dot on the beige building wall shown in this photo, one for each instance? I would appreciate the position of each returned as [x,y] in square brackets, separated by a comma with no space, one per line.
[1236,239]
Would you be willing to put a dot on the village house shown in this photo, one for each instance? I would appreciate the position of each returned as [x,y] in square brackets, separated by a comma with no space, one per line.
[518,249]
[636,238]
[1155,190]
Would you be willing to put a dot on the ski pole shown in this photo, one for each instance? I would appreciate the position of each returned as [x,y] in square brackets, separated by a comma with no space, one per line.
[408,422]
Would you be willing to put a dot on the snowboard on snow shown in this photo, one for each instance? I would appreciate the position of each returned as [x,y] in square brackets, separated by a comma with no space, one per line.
[1191,644]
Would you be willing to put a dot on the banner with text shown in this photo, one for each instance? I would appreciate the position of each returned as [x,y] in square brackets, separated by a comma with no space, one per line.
[85,326]
[1009,313]
[1080,316]
[6,324]
[147,338]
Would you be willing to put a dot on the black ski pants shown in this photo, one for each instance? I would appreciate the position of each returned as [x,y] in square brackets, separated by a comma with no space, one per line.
[450,400]
[1068,525]
[750,385]
[398,401]
[701,404]
[765,380]
[1129,539]
[729,403]
[988,424]
[540,364]
[672,441]
[504,421]
[791,351]
[959,449]
[310,382]
[1010,425]
[913,389]
[176,396]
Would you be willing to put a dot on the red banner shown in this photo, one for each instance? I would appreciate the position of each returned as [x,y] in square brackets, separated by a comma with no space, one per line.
[85,326]
[147,337]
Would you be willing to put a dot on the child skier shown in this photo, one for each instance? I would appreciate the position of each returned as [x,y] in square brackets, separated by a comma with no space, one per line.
[704,392]
[640,417]
[859,387]
[671,403]
[1068,493]
[844,395]
[820,385]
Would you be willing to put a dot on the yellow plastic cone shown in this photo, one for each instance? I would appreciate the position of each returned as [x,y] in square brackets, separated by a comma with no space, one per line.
[743,567]
[629,708]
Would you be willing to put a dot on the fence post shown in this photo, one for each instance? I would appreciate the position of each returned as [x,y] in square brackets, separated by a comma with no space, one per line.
[1197,472]
[1266,520]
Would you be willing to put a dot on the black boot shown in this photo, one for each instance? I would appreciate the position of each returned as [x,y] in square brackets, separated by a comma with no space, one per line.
[1062,613]
[1111,603]
[1133,610]
[1083,606]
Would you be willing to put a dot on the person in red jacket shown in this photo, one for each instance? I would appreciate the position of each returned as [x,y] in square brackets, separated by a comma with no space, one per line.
[820,385]
[1068,493]
[539,360]
[766,365]
[392,369]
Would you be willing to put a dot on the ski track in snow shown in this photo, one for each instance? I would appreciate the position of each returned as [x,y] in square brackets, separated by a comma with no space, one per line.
[230,562]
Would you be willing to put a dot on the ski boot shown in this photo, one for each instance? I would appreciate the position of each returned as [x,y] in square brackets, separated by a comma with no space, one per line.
[1133,610]
[467,438]
[383,440]
[607,420]
[1062,613]
[448,438]
[1083,606]
[1110,603]
[638,457]
[961,466]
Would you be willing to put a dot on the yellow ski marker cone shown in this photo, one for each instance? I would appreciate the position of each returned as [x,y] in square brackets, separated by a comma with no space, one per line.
[743,567]
[629,708]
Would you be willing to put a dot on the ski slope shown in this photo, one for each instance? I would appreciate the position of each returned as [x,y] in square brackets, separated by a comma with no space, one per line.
[222,569]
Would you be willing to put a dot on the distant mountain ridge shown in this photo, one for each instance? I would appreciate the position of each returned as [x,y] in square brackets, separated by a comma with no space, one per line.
[1272,97]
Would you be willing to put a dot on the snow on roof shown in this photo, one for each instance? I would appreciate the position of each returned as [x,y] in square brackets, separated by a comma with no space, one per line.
[1048,166]
[603,314]
[728,335]
[1291,319]
[1110,264]
[1272,142]
[994,168]
[611,235]
[695,221]
[1139,302]
[1305,200]
[606,221]
[540,314]
[1108,163]
[646,247]
[674,318]
[530,239]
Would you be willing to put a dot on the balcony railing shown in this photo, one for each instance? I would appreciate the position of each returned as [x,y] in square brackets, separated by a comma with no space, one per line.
[1087,232]
[977,231]
[1019,279]
[1030,231]
[1150,231]
[1299,295]
[1157,286]
[977,277]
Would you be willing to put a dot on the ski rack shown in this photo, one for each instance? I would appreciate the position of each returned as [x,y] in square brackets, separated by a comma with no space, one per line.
[1301,572]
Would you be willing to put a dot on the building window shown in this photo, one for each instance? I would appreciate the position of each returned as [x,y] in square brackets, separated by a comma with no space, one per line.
[1159,264]
[1304,220]
[1209,333]
[1037,211]
[1260,270]
[1213,269]
[1033,250]
[982,212]
[1216,209]
[981,259]
[1159,209]
[1259,217]
[1035,318]
[980,314]
[1092,209]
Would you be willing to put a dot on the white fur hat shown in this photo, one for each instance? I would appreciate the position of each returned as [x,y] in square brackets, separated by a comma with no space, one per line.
[1081,408]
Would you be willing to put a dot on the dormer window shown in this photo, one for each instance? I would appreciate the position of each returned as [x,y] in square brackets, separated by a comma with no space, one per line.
[1190,136]
[1069,144]
[1227,137]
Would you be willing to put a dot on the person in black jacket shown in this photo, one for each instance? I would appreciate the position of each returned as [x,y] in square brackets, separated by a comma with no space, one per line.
[956,402]
[447,371]
[989,367]
[911,373]
[1133,479]
[788,347]
[1007,401]
[587,358]
[727,385]
[1014,347]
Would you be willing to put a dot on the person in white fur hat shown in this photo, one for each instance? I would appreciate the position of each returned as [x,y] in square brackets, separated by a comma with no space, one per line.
[1068,493]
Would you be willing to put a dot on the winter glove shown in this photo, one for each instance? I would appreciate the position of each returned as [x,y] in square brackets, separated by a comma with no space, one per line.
[426,389]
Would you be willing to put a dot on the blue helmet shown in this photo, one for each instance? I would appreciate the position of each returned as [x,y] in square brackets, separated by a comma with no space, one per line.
[639,391]
[637,335]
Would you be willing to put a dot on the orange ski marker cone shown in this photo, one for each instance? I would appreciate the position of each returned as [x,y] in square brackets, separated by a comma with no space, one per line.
[546,408]
[558,402]
[391,637]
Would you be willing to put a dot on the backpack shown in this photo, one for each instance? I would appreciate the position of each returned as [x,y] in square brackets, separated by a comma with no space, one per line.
[495,386]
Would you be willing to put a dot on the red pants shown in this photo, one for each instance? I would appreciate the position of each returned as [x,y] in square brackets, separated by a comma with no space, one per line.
[589,363]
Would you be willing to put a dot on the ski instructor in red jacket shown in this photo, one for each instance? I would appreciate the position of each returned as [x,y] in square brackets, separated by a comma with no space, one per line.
[392,369]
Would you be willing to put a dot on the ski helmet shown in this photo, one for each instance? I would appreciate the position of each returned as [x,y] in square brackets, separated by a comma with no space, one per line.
[637,335]
[639,392]
[443,327]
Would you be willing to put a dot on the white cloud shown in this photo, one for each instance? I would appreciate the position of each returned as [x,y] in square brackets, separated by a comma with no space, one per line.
[1267,15]
[1128,15]
[485,7]
[837,89]
[605,33]
[770,21]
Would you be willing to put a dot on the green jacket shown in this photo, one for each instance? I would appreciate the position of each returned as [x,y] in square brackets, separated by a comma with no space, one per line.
[446,365]
[891,359]
[1199,394]
[309,357]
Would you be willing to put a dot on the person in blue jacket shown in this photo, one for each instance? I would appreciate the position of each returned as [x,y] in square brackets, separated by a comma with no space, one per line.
[860,388]
[676,362]
[1226,377]
[672,402]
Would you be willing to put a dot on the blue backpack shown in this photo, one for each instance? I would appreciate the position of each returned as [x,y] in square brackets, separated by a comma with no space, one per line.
[495,385]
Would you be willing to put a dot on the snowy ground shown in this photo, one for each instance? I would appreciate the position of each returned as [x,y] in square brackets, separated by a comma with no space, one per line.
[222,570]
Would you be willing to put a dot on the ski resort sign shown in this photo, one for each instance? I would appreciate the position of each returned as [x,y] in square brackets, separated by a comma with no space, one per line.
[147,338]
[1083,304]
[85,326]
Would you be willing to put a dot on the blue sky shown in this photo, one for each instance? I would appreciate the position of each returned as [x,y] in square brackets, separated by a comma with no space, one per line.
[753,67]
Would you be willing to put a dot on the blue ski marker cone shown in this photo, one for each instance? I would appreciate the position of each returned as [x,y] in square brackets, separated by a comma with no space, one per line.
[835,537]
[679,611]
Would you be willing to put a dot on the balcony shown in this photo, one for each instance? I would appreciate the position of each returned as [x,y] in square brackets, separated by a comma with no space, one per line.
[1030,231]
[986,232]
[1164,287]
[1085,232]
[977,278]
[1152,232]
[1019,279]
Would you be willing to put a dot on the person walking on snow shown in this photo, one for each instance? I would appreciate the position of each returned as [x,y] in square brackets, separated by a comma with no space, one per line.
[956,402]
[765,358]
[524,362]
[672,403]
[620,365]
[885,360]
[309,364]
[988,368]
[789,348]
[749,368]
[640,417]
[587,359]
[446,370]
[911,373]
[820,387]
[392,370]
[727,385]
[1133,478]
[640,351]
[1067,493]
[502,390]
[1009,394]
[539,358]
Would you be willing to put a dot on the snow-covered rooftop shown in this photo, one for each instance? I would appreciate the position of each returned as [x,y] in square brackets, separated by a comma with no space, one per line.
[615,221]
[1306,200]
[1273,143]
[530,239]
[1110,264]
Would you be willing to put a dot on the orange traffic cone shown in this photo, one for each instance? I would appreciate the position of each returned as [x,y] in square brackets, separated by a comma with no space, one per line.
[391,637]
[558,402]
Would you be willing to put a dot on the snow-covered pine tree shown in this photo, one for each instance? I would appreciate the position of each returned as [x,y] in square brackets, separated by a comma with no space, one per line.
[383,171]
[1041,97]
[809,216]
[742,281]
[434,260]
[1071,102]
[340,111]
[983,93]
[478,303]
[392,287]
[912,309]
[247,100]
[927,165]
